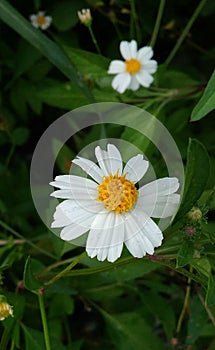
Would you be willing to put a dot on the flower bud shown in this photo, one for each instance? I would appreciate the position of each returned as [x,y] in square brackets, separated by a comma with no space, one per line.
[195,214]
[85,17]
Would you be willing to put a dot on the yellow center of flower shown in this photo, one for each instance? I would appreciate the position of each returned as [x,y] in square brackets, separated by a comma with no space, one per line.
[117,193]
[5,311]
[132,66]
[41,20]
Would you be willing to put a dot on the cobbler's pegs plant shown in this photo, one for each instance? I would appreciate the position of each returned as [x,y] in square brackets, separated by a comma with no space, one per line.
[54,288]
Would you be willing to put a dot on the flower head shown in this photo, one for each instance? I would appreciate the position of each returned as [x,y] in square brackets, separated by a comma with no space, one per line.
[85,17]
[6,309]
[111,207]
[136,70]
[195,214]
[40,20]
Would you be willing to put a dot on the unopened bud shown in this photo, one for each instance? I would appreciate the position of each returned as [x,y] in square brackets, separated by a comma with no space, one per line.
[190,231]
[195,214]
[85,17]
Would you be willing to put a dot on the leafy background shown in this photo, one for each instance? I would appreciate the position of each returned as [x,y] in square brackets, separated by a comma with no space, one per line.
[164,302]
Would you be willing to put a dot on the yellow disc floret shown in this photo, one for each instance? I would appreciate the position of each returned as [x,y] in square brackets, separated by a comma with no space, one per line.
[41,20]
[132,66]
[117,193]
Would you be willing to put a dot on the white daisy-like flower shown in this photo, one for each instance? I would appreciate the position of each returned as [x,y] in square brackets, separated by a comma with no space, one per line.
[40,20]
[136,70]
[111,207]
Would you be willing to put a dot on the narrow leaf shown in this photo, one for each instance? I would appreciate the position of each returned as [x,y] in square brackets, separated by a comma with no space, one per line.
[196,176]
[207,102]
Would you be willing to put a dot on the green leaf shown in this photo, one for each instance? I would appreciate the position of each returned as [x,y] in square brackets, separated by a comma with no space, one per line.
[34,339]
[47,47]
[64,157]
[20,136]
[30,281]
[210,295]
[207,102]
[202,265]
[161,309]
[129,331]
[196,176]
[185,254]
[197,320]
[91,65]
[65,95]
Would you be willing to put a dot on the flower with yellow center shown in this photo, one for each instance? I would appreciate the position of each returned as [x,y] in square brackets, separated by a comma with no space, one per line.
[6,309]
[136,70]
[40,20]
[111,208]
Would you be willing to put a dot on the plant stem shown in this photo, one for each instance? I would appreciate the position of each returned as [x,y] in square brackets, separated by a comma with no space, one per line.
[134,23]
[94,39]
[15,233]
[67,269]
[44,321]
[185,305]
[185,31]
[157,23]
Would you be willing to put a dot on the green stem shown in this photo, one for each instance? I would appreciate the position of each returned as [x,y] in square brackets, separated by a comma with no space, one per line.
[15,233]
[134,23]
[157,23]
[185,31]
[67,269]
[185,305]
[44,321]
[94,39]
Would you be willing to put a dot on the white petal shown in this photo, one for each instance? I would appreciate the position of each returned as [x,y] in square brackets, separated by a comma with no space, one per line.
[83,216]
[161,187]
[134,84]
[142,235]
[74,187]
[136,168]
[133,48]
[115,159]
[105,239]
[159,206]
[145,54]
[150,66]
[144,78]
[125,50]
[90,168]
[72,231]
[33,17]
[133,239]
[60,218]
[121,82]
[116,67]
[110,161]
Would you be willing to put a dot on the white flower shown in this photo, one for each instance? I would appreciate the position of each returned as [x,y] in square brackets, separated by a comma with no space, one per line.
[136,70]
[85,16]
[110,206]
[40,20]
[6,309]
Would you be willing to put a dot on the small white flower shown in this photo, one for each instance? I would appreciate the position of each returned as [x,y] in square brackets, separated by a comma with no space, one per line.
[40,20]
[111,207]
[85,16]
[136,70]
[6,309]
